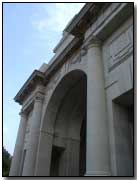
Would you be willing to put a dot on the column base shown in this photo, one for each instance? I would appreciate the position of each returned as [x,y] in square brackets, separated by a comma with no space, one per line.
[97,173]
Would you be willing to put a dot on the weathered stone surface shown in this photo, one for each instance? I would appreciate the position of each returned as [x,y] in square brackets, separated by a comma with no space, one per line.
[79,108]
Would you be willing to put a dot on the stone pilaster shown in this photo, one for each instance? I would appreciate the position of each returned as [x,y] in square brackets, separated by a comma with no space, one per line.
[17,156]
[43,163]
[97,148]
[31,153]
[72,157]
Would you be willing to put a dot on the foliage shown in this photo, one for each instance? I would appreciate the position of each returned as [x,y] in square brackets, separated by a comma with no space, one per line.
[6,162]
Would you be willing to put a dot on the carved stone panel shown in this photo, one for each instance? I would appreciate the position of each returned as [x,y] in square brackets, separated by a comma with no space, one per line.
[120,48]
[78,58]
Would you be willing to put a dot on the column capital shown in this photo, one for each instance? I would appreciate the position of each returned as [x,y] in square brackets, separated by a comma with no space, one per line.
[22,113]
[40,88]
[39,96]
[92,42]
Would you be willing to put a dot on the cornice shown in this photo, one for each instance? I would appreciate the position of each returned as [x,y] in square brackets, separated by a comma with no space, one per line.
[84,18]
[35,78]
[60,60]
[38,77]
[108,25]
[74,26]
[60,42]
[109,22]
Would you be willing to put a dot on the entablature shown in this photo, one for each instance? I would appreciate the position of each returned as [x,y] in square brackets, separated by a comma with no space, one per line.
[105,24]
[35,78]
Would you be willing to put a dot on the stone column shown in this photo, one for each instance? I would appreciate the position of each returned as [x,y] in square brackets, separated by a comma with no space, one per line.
[31,153]
[97,148]
[15,165]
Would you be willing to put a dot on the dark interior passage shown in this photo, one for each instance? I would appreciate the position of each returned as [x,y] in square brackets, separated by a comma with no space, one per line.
[55,161]
[69,126]
[123,127]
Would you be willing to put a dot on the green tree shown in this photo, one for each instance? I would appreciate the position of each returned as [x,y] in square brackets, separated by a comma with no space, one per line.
[6,162]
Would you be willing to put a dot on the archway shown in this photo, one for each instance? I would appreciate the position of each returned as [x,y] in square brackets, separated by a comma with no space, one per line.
[65,118]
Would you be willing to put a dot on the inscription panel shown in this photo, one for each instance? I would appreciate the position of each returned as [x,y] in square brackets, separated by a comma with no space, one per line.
[120,48]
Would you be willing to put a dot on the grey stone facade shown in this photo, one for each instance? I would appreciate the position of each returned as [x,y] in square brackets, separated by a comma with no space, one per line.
[77,111]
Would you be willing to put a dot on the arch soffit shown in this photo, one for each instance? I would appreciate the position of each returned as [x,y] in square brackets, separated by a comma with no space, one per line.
[51,107]
[64,75]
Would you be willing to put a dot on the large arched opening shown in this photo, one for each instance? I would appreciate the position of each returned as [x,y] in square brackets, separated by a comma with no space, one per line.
[65,118]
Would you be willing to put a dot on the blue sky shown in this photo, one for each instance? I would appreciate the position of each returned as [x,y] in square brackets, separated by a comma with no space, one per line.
[30,32]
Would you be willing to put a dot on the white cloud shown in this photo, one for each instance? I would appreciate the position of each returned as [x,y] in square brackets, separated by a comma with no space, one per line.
[57,16]
[50,19]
